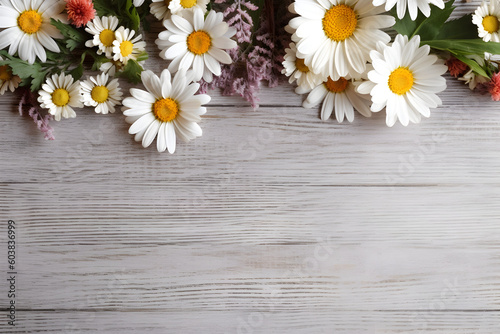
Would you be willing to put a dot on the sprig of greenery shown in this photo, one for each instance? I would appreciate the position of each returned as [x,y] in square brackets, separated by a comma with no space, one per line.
[458,37]
[127,14]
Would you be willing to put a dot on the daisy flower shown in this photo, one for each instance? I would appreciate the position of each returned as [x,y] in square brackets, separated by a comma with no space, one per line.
[340,95]
[28,29]
[487,17]
[103,30]
[405,80]
[413,6]
[7,79]
[98,93]
[169,109]
[159,8]
[196,42]
[178,6]
[295,69]
[60,94]
[335,36]
[80,12]
[126,47]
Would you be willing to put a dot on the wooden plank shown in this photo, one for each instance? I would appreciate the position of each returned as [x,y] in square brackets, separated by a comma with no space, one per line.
[263,321]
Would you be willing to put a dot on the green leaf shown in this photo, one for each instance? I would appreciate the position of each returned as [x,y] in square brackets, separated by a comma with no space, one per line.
[131,71]
[77,72]
[73,37]
[30,74]
[464,46]
[461,28]
[473,65]
[426,27]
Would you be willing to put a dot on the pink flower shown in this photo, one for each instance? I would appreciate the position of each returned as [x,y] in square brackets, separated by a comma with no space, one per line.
[456,67]
[494,87]
[80,12]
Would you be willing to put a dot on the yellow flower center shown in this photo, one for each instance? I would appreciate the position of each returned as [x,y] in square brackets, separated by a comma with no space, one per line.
[400,80]
[199,42]
[99,94]
[126,48]
[188,3]
[5,73]
[339,22]
[60,97]
[107,37]
[336,86]
[490,23]
[299,64]
[165,110]
[29,21]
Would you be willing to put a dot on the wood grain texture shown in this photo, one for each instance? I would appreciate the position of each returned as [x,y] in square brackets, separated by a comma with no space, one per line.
[272,222]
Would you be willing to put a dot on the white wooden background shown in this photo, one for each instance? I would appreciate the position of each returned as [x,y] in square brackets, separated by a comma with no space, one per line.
[272,222]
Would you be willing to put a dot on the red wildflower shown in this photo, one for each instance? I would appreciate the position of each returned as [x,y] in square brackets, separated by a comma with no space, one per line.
[494,87]
[456,67]
[80,12]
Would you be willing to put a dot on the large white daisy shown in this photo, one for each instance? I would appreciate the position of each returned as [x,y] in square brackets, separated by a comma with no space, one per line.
[103,29]
[196,42]
[7,79]
[125,46]
[159,8]
[168,109]
[178,6]
[405,80]
[99,93]
[28,29]
[487,19]
[340,95]
[60,94]
[335,37]
[295,69]
[413,6]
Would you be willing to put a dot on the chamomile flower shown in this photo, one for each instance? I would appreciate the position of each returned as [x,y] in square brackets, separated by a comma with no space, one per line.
[194,42]
[167,110]
[99,93]
[413,6]
[487,19]
[126,47]
[335,36]
[60,94]
[295,69]
[405,80]
[178,6]
[7,79]
[340,95]
[103,29]
[28,28]
[159,8]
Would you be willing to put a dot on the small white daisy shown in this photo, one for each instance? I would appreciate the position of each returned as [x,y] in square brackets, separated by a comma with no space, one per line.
[405,80]
[178,6]
[340,95]
[413,6]
[197,43]
[103,29]
[28,28]
[7,79]
[126,47]
[487,19]
[159,8]
[295,69]
[60,94]
[168,109]
[335,36]
[98,93]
